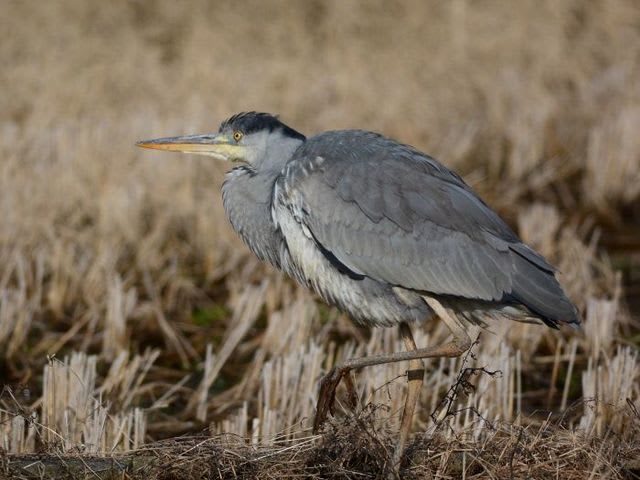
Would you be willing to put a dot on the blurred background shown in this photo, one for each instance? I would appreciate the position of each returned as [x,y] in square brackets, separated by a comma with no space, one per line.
[126,297]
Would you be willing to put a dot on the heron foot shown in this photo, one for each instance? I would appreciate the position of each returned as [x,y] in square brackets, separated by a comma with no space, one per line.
[327,395]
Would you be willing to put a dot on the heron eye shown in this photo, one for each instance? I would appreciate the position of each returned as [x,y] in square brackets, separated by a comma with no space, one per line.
[237,135]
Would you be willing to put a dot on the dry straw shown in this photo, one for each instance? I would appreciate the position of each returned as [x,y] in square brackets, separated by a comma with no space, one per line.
[124,266]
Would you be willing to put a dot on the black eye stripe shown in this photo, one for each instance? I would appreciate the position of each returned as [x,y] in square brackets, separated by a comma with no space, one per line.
[251,122]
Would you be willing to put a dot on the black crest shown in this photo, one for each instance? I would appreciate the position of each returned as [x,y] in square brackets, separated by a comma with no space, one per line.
[251,122]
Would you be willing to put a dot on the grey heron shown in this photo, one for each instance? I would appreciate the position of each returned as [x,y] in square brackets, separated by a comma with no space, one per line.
[382,231]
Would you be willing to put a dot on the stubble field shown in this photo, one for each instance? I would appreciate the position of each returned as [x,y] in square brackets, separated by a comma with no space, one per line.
[135,325]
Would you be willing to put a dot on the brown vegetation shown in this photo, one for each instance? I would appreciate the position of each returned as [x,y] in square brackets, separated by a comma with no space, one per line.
[131,313]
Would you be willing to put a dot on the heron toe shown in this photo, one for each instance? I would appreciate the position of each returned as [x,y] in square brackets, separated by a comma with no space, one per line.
[352,395]
[327,395]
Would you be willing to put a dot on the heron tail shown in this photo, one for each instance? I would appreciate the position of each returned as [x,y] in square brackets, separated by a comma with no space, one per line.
[538,289]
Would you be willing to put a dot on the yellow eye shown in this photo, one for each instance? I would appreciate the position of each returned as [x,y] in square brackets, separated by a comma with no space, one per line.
[237,135]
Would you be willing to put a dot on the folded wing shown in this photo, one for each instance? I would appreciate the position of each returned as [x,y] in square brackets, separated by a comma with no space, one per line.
[393,214]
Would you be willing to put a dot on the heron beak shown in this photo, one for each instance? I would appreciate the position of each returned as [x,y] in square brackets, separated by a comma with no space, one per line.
[215,145]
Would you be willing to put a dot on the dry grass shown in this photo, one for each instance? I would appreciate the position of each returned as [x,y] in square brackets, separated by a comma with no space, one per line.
[357,448]
[129,311]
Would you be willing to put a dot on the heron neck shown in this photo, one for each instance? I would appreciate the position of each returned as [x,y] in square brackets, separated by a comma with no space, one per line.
[246,196]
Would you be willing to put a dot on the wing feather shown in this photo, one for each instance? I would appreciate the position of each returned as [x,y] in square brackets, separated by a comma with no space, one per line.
[393,214]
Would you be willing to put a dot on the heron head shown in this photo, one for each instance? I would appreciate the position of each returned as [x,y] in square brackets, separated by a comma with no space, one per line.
[252,138]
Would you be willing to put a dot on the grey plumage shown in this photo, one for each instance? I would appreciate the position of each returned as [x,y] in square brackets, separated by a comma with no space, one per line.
[388,212]
[382,231]
[376,227]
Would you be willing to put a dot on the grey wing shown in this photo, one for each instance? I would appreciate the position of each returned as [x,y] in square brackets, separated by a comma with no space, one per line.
[397,216]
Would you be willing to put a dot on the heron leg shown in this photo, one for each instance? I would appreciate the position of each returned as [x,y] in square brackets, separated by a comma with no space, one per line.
[460,344]
[327,395]
[415,378]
